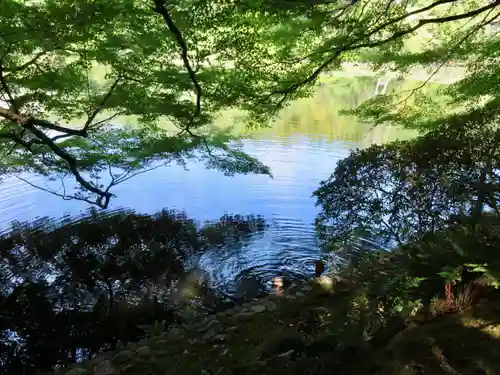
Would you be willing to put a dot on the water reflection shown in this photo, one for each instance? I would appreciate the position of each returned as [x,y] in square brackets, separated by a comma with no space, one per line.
[302,148]
[77,287]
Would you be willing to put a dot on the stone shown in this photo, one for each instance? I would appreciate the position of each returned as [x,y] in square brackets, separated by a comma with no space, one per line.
[77,371]
[127,367]
[174,332]
[306,288]
[244,314]
[271,306]
[105,368]
[209,335]
[291,297]
[258,309]
[299,294]
[131,346]
[143,351]
[123,357]
[213,324]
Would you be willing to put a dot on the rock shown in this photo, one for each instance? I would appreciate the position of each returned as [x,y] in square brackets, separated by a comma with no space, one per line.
[299,294]
[213,323]
[244,314]
[306,288]
[271,306]
[209,335]
[77,371]
[123,357]
[105,368]
[174,332]
[143,351]
[131,346]
[291,297]
[231,329]
[258,308]
[127,367]
[142,342]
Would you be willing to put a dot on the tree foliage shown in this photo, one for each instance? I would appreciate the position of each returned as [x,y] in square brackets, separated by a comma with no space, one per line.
[400,191]
[177,64]
[181,63]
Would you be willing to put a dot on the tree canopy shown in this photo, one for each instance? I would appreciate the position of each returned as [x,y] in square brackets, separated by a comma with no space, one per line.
[400,191]
[70,70]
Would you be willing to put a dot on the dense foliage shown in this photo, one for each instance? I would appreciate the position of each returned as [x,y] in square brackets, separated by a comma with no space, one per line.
[400,191]
[70,69]
[78,287]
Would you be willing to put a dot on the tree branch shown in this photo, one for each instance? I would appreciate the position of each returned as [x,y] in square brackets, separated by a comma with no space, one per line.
[99,108]
[72,164]
[161,9]
[26,64]
[345,48]
[7,91]
[23,120]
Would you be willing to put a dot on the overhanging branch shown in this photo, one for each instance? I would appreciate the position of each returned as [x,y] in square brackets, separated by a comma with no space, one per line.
[23,120]
[161,9]
[396,35]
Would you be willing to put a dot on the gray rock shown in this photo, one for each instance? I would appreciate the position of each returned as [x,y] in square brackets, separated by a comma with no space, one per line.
[123,357]
[143,351]
[131,346]
[258,308]
[77,371]
[306,288]
[299,294]
[244,314]
[291,297]
[213,324]
[105,368]
[174,332]
[271,306]
[209,335]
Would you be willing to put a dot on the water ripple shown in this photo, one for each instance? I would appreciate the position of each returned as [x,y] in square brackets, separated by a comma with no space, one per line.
[287,247]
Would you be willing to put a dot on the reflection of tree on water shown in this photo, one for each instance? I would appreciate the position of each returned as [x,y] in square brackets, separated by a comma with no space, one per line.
[70,291]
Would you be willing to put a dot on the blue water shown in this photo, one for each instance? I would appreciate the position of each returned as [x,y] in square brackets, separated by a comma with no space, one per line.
[289,245]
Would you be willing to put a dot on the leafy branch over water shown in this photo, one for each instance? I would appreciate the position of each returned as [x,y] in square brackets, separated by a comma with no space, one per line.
[182,63]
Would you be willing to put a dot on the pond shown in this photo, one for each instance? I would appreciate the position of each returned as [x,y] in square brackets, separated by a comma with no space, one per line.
[302,148]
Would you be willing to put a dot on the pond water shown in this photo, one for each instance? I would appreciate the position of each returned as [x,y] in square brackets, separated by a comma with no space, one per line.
[301,149]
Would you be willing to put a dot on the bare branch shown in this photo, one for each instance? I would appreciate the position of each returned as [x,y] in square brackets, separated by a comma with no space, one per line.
[450,53]
[70,160]
[64,196]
